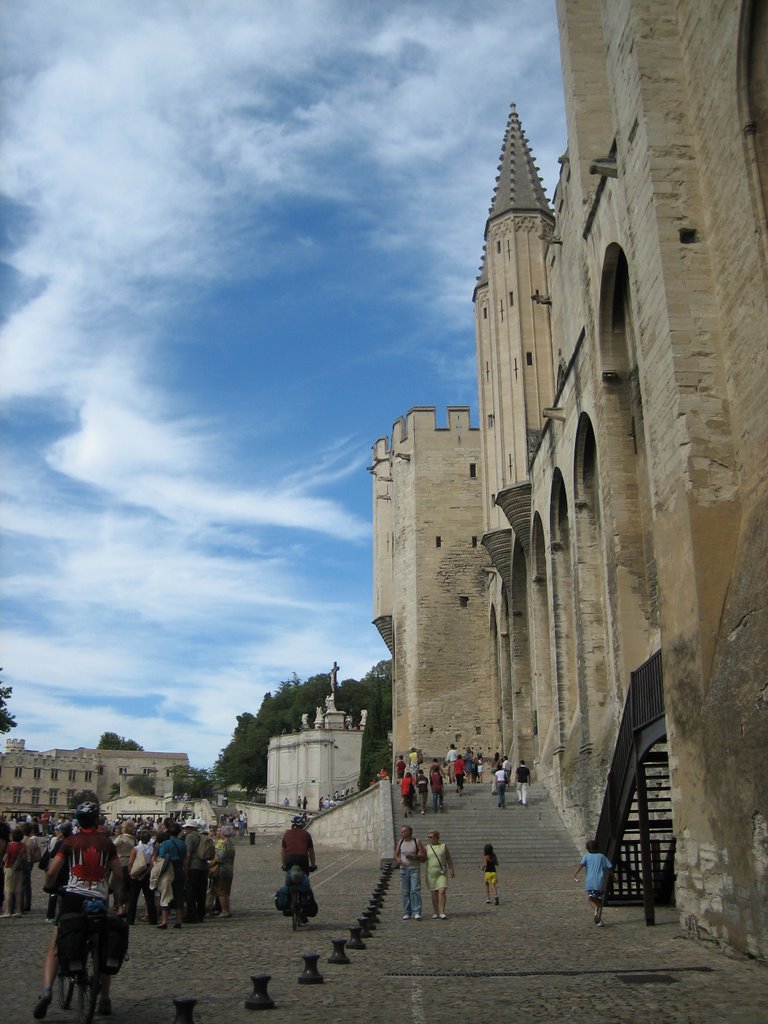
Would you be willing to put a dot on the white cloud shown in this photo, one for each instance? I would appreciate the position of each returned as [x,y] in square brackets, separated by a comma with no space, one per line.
[152,151]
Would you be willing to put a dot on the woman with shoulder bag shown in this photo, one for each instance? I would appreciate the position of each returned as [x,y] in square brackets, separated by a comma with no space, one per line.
[225,869]
[139,861]
[125,843]
[14,863]
[439,866]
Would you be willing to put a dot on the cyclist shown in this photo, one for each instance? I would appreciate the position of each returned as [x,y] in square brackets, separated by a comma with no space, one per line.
[297,847]
[91,856]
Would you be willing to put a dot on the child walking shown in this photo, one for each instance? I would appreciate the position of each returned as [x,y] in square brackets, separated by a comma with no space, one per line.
[490,863]
[598,872]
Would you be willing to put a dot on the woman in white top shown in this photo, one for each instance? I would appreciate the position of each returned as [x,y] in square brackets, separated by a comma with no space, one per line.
[139,879]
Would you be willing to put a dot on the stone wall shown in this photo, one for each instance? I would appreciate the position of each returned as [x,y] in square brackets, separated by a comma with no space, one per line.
[625,507]
[312,764]
[361,822]
[430,477]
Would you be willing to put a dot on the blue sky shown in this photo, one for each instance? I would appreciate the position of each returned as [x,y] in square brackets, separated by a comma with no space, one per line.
[239,240]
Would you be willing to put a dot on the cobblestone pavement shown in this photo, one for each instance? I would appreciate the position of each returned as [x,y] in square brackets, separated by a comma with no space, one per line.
[538,957]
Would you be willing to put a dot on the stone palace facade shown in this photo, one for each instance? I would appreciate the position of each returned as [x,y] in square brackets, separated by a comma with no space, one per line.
[610,510]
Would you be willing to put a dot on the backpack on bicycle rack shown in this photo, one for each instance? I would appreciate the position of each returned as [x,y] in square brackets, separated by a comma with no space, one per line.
[114,946]
[71,942]
[308,903]
[283,900]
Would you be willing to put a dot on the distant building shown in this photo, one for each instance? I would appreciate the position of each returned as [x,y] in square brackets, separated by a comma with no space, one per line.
[320,760]
[32,781]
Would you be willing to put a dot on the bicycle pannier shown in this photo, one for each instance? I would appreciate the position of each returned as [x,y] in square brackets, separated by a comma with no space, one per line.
[71,942]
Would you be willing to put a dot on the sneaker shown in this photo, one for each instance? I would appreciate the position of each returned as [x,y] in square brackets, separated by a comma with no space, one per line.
[17,915]
[599,924]
[104,1009]
[487,901]
[417,917]
[6,915]
[406,917]
[434,917]
[443,917]
[42,1004]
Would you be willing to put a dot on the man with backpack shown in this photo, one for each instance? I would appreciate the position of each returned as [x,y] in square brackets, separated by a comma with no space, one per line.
[409,854]
[436,785]
[91,857]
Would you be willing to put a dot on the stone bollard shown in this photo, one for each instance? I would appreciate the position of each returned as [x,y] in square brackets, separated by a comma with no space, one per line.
[338,956]
[370,920]
[364,931]
[355,942]
[252,838]
[310,974]
[260,999]
[373,915]
[184,1007]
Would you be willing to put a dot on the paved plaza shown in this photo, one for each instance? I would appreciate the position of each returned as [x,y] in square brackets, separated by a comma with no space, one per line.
[537,957]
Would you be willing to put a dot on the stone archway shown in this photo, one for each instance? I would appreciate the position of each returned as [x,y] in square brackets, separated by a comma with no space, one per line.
[625,494]
[566,669]
[546,737]
[520,657]
[594,689]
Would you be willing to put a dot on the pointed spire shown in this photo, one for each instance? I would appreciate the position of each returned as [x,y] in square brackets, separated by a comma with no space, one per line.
[518,185]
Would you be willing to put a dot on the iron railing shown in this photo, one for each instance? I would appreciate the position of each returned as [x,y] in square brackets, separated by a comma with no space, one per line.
[643,707]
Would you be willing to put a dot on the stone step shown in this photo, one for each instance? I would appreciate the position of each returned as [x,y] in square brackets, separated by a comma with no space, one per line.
[525,835]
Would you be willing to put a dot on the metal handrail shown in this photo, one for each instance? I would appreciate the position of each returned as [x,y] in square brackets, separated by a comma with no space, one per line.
[644,705]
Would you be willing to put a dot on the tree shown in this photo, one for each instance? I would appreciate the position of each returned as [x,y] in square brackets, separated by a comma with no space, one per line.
[243,762]
[7,721]
[83,796]
[141,785]
[194,782]
[376,752]
[111,741]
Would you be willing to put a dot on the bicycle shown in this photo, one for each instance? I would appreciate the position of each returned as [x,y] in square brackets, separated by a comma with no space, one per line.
[86,976]
[294,880]
[66,987]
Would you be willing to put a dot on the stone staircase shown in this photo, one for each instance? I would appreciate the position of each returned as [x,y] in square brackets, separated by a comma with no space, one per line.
[532,835]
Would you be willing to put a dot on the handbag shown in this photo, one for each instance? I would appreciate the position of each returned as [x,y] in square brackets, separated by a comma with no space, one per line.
[139,866]
[157,869]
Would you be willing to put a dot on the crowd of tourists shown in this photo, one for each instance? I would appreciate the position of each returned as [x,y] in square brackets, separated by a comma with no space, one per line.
[174,863]
[417,783]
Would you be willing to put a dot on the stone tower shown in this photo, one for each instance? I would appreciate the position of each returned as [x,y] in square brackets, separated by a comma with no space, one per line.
[430,581]
[515,384]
